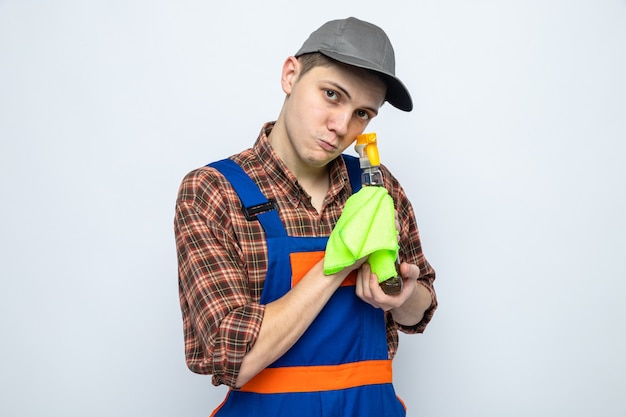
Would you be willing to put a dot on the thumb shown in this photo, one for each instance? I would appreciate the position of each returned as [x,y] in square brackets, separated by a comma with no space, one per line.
[408,270]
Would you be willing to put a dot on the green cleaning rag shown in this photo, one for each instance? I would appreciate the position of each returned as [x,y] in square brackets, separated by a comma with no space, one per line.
[366,227]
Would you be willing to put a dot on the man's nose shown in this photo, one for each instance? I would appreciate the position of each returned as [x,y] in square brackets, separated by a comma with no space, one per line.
[339,121]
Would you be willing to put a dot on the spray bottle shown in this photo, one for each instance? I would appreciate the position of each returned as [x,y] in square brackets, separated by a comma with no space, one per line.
[371,175]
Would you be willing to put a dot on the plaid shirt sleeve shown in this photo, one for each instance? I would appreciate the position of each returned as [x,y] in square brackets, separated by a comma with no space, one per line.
[221,319]
[411,249]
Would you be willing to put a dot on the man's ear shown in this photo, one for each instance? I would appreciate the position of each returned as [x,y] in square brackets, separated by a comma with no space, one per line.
[291,70]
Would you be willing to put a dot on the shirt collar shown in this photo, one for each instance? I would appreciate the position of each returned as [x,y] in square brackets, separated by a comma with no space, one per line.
[284,178]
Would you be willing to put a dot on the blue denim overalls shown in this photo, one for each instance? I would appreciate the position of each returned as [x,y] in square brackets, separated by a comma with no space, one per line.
[340,365]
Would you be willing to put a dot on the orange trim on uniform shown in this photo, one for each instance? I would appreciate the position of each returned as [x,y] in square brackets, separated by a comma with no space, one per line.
[302,262]
[221,405]
[401,402]
[320,378]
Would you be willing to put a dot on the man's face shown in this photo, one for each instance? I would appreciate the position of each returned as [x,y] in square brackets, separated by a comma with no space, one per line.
[326,108]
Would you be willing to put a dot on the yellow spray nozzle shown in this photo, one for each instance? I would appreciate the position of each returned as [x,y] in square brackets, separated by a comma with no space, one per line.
[367,141]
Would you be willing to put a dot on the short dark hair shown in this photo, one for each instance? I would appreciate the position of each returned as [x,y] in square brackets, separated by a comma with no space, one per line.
[312,60]
[317,59]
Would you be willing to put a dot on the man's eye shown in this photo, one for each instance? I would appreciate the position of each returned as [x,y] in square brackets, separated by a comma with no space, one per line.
[362,114]
[331,94]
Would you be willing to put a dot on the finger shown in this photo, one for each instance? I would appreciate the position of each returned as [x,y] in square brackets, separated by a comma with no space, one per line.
[368,278]
[363,278]
[363,290]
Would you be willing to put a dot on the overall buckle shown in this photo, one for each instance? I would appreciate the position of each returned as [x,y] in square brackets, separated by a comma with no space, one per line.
[251,213]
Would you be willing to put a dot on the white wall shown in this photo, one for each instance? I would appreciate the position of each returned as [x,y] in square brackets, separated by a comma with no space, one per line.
[513,158]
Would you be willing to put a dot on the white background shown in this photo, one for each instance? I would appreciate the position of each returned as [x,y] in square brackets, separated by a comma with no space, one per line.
[513,157]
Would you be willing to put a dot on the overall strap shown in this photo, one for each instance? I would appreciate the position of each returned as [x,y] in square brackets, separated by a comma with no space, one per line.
[354,171]
[254,204]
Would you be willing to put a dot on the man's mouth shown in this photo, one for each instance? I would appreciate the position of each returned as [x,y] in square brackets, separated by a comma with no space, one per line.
[327,146]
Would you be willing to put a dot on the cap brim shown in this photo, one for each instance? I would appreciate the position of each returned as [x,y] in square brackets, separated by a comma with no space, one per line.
[397,93]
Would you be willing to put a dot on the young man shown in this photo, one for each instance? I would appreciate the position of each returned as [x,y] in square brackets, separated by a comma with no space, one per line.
[259,313]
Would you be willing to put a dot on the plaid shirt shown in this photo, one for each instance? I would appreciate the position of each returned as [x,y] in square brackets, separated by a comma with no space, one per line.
[222,257]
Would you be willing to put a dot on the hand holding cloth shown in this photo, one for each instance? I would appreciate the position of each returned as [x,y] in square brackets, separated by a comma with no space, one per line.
[366,227]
